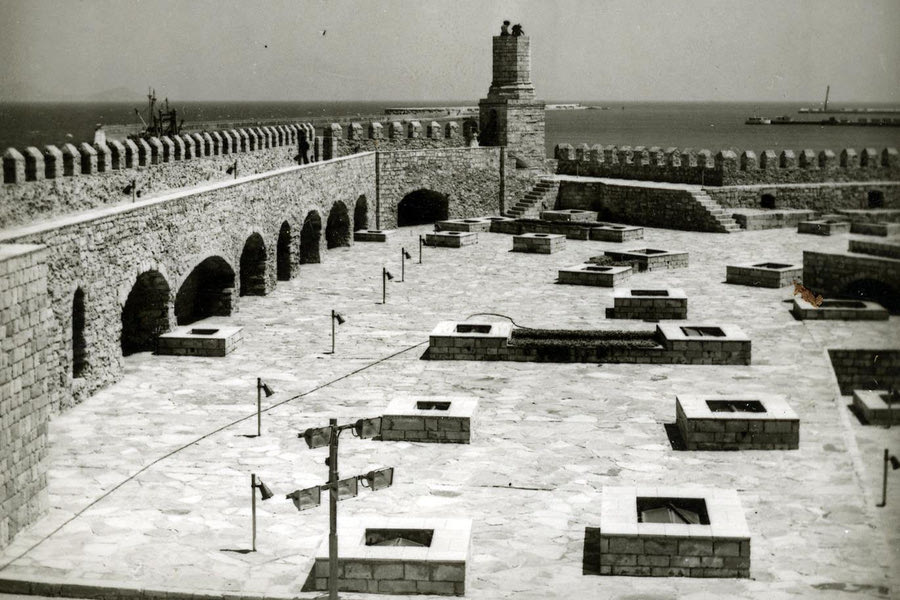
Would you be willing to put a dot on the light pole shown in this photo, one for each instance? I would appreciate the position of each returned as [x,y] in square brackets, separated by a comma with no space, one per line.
[340,321]
[317,437]
[895,464]
[260,388]
[385,277]
[265,493]
[403,256]
[421,242]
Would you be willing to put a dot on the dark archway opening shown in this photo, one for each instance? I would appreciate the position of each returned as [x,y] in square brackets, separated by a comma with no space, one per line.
[490,133]
[283,253]
[470,130]
[767,201]
[361,214]
[875,290]
[146,313]
[422,206]
[875,199]
[253,267]
[310,236]
[79,346]
[337,230]
[207,292]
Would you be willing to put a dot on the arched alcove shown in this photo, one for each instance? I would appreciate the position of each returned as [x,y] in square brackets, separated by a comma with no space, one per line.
[361,214]
[767,201]
[337,229]
[253,267]
[875,290]
[207,292]
[284,267]
[422,206]
[79,346]
[146,313]
[310,238]
[875,199]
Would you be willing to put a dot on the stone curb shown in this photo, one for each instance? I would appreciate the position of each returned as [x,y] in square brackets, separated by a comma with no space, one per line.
[103,590]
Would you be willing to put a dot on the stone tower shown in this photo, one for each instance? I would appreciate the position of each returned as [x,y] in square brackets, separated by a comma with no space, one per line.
[510,116]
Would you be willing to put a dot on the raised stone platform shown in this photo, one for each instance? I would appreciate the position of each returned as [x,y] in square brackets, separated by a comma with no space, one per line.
[200,339]
[767,274]
[451,239]
[839,310]
[877,407]
[882,229]
[824,227]
[650,259]
[469,341]
[539,243]
[434,419]
[706,344]
[648,304]
[754,220]
[596,275]
[473,224]
[616,233]
[668,531]
[392,555]
[372,235]
[889,248]
[569,214]
[751,423]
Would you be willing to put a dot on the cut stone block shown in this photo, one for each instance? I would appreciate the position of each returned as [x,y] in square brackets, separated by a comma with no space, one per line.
[571,214]
[201,339]
[707,343]
[472,224]
[435,419]
[469,341]
[839,310]
[764,274]
[616,233]
[747,423]
[882,229]
[824,227]
[539,243]
[653,304]
[596,275]
[650,259]
[390,555]
[877,407]
[451,239]
[372,235]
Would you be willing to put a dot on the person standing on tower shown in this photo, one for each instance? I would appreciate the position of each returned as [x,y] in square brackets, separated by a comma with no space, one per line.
[517,30]
[505,29]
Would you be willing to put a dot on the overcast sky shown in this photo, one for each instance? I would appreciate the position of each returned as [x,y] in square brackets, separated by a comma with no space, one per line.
[423,50]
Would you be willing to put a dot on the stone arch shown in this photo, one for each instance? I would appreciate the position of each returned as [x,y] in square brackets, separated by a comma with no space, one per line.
[767,201]
[875,199]
[422,206]
[253,266]
[79,345]
[206,292]
[145,314]
[876,290]
[310,238]
[337,229]
[284,264]
[470,129]
[361,213]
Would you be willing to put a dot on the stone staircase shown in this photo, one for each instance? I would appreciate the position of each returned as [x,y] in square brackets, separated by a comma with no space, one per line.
[719,218]
[543,194]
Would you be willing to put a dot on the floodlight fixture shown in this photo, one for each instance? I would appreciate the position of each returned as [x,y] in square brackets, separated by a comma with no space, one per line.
[268,391]
[894,462]
[403,256]
[348,488]
[233,169]
[367,428]
[378,479]
[260,388]
[388,275]
[317,437]
[306,498]
[335,316]
[406,254]
[385,277]
[338,317]
[265,493]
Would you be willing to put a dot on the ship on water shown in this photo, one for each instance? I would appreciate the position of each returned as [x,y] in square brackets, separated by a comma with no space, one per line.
[758,121]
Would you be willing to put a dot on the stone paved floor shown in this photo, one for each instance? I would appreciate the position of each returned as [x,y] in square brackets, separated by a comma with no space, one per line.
[564,430]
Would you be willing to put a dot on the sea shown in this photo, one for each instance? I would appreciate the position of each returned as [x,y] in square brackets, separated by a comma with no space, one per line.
[713,125]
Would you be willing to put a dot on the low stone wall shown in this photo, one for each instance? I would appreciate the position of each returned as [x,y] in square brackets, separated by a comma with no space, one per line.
[839,310]
[595,275]
[824,227]
[200,339]
[758,219]
[877,407]
[770,275]
[887,248]
[776,427]
[650,259]
[25,387]
[539,243]
[435,420]
[451,239]
[818,197]
[648,304]
[880,229]
[865,369]
[840,275]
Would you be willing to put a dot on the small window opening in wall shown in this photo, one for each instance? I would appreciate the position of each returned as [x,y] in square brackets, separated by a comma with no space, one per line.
[767,201]
[688,511]
[875,199]
[751,406]
[466,328]
[399,537]
[432,405]
[703,331]
[79,346]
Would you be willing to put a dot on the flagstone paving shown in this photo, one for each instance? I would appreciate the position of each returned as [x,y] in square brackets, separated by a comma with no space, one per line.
[160,462]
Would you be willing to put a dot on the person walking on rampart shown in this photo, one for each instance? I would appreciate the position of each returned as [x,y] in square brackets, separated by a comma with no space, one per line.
[304,150]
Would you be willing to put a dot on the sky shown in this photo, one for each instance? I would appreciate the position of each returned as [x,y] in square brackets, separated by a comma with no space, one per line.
[430,50]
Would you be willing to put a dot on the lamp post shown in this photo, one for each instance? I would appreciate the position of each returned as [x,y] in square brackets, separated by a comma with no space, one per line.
[421,242]
[233,169]
[385,276]
[265,493]
[403,256]
[895,464]
[340,321]
[260,388]
[317,437]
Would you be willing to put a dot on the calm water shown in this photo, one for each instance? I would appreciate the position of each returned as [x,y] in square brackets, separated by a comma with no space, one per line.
[697,125]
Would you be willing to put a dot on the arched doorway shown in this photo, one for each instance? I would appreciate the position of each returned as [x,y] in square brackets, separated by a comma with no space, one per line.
[79,346]
[284,266]
[767,201]
[253,267]
[310,237]
[146,313]
[337,230]
[875,290]
[422,206]
[490,131]
[361,214]
[207,292]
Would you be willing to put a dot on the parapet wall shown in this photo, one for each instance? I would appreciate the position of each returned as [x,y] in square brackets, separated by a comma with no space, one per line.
[392,135]
[726,167]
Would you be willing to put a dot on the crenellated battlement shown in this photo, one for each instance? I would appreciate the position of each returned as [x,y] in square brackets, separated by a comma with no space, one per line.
[726,167]
[390,135]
